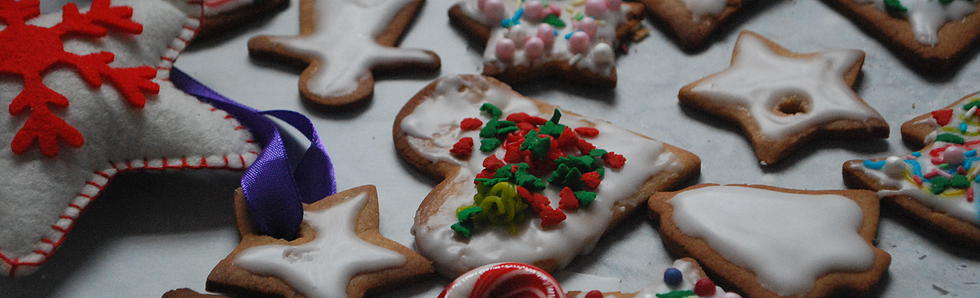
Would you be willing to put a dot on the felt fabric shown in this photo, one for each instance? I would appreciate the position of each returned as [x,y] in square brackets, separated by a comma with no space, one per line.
[41,197]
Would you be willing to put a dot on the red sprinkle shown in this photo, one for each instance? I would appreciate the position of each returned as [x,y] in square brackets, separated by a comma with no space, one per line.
[704,287]
[614,160]
[524,126]
[584,146]
[917,180]
[568,200]
[591,179]
[462,148]
[594,294]
[470,124]
[567,138]
[492,163]
[587,132]
[551,217]
[518,117]
[536,120]
[942,116]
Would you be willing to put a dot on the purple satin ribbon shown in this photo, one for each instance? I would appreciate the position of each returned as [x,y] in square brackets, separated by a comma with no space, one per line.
[273,191]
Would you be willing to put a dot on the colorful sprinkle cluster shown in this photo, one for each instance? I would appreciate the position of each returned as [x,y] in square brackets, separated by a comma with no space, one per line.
[537,152]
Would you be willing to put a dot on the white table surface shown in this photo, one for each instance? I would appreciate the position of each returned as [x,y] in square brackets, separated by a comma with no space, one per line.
[158,231]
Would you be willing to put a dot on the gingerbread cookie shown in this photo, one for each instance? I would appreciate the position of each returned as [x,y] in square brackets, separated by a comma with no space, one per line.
[187,293]
[222,15]
[339,253]
[766,241]
[341,42]
[934,186]
[682,280]
[693,21]
[782,99]
[572,39]
[523,181]
[932,34]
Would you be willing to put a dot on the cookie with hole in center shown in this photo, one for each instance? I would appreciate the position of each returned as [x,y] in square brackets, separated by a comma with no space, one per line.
[781,100]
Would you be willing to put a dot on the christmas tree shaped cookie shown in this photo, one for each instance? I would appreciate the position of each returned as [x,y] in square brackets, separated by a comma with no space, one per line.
[932,34]
[523,181]
[573,39]
[772,242]
[936,186]
[339,253]
[693,21]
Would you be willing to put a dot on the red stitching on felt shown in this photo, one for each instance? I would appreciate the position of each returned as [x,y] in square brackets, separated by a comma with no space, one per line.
[60,229]
[46,240]
[229,116]
[66,217]
[92,183]
[103,174]
[86,196]
[73,205]
[41,252]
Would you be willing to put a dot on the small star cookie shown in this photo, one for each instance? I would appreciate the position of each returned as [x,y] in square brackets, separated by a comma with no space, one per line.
[783,99]
[935,186]
[693,21]
[573,39]
[341,42]
[339,253]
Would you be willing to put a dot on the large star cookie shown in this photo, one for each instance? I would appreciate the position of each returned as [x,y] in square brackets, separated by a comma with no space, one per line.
[341,42]
[545,190]
[936,185]
[339,253]
[782,99]
[933,34]
[693,21]
[573,39]
[70,132]
[768,242]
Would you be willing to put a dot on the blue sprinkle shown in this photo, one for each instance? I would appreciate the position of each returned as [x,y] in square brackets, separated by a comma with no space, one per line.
[874,165]
[916,168]
[672,276]
[917,154]
[963,127]
[506,23]
[970,153]
[569,35]
[520,12]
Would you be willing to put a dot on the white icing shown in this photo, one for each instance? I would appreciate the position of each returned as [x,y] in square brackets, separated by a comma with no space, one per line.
[213,7]
[604,38]
[928,16]
[701,8]
[691,276]
[433,129]
[788,240]
[759,79]
[344,43]
[324,266]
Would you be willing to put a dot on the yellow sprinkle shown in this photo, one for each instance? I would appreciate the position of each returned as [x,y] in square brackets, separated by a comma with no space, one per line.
[953,193]
[578,2]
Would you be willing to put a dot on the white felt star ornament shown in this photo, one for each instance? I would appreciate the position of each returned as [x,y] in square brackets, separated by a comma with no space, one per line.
[42,196]
[783,99]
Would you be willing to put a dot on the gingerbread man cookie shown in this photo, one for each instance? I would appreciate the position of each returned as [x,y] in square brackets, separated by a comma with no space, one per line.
[526,39]
[773,242]
[936,185]
[339,253]
[523,181]
[782,99]
[341,42]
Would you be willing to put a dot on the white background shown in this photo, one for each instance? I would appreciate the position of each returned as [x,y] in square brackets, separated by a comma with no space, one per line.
[153,232]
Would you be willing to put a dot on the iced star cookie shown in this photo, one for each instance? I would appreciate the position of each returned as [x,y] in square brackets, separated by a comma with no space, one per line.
[781,100]
[772,242]
[525,39]
[523,181]
[934,186]
[222,15]
[341,42]
[684,279]
[693,21]
[339,253]
[931,34]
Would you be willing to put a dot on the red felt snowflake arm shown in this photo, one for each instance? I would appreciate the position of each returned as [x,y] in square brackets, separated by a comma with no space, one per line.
[98,20]
[42,126]
[14,12]
[132,83]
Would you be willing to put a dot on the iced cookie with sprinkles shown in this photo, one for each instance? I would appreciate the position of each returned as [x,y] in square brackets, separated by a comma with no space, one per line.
[683,279]
[782,100]
[523,181]
[341,43]
[765,241]
[935,186]
[693,21]
[221,15]
[576,40]
[932,34]
[338,253]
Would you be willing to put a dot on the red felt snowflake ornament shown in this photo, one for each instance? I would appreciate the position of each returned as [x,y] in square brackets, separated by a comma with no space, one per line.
[29,51]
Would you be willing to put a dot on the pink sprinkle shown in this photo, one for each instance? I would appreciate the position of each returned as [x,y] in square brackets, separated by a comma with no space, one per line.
[579,42]
[505,50]
[614,4]
[595,8]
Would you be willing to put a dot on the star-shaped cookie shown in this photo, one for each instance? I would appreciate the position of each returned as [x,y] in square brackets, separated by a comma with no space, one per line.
[42,195]
[573,39]
[935,186]
[933,35]
[339,253]
[782,99]
[341,42]
[693,21]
